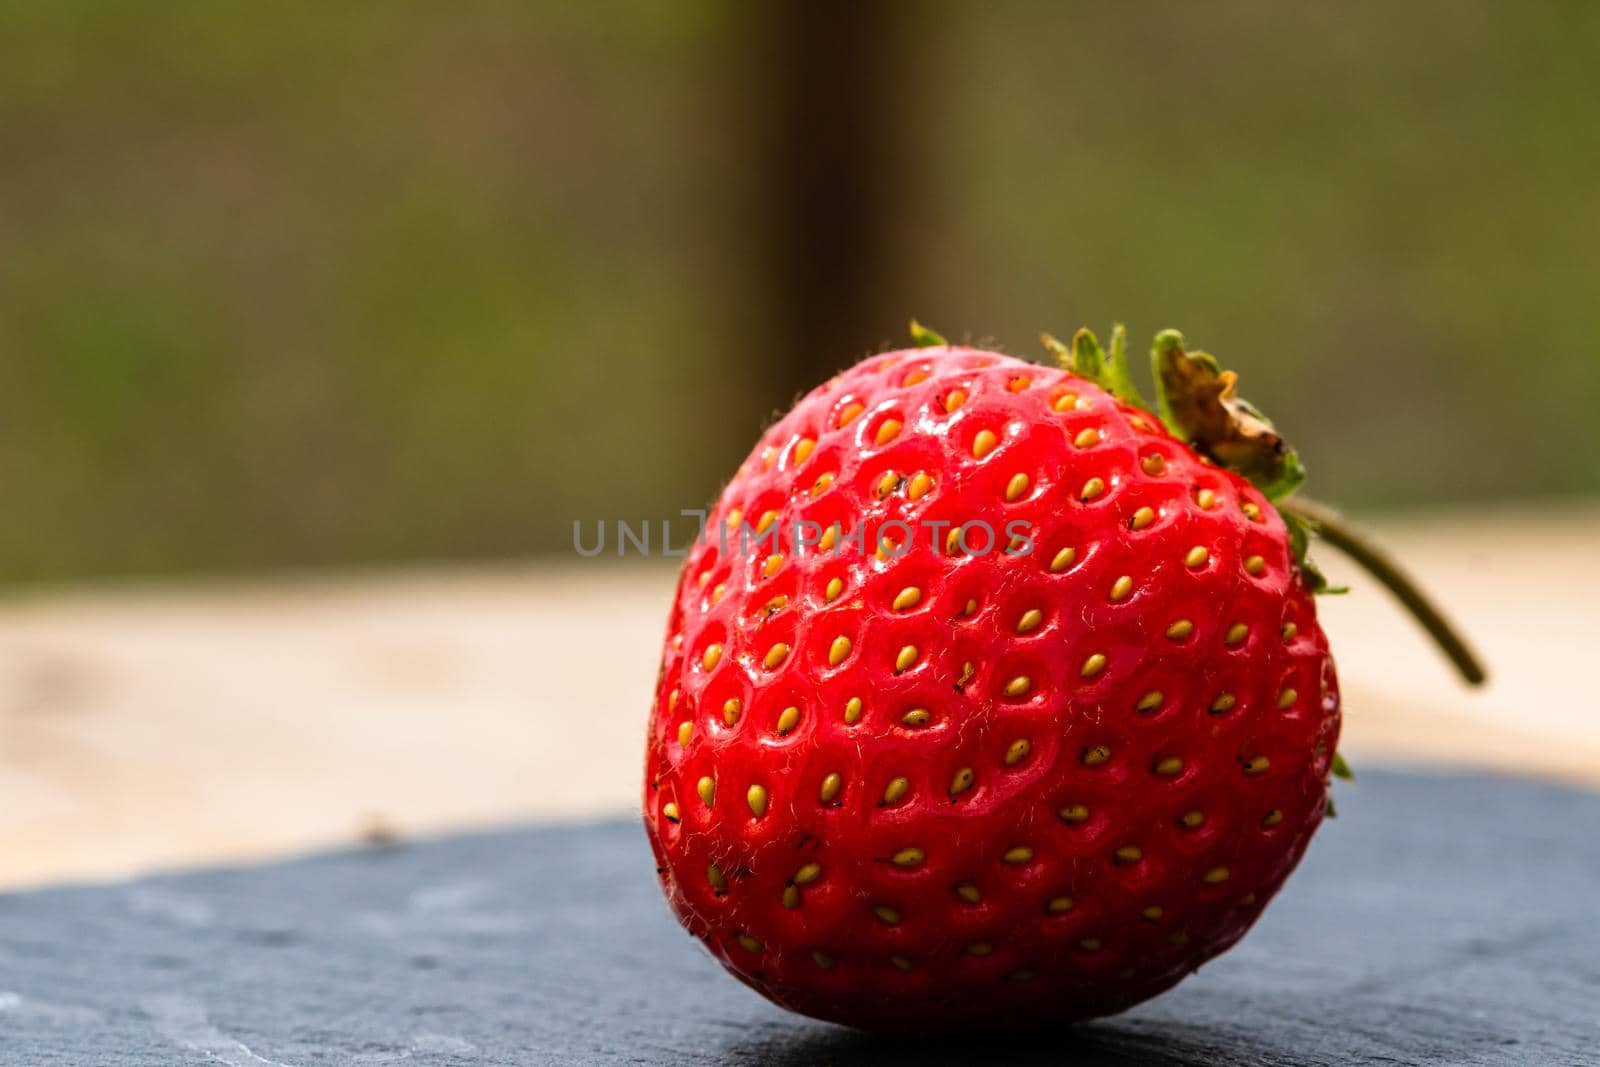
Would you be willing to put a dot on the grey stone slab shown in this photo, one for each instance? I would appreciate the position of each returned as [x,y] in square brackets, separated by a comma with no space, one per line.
[1439,920]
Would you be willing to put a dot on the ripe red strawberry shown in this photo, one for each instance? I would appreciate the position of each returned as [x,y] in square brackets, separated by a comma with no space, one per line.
[1035,779]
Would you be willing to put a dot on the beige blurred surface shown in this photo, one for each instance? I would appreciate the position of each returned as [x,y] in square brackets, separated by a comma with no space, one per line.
[150,728]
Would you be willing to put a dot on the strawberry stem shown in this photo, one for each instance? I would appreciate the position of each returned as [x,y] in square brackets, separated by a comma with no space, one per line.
[1326,524]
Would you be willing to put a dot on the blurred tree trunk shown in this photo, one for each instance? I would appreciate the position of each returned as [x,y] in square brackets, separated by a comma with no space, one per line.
[827,71]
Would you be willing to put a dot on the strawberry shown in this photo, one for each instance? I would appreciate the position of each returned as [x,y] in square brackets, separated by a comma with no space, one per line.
[1009,706]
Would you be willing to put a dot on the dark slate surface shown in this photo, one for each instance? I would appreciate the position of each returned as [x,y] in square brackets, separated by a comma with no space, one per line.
[1438,921]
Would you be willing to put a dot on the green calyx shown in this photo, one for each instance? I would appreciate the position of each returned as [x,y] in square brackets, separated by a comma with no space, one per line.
[1300,530]
[1198,402]
[1200,405]
[923,337]
[1196,399]
[1087,359]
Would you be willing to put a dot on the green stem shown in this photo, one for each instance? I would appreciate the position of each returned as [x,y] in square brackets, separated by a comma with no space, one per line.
[1327,524]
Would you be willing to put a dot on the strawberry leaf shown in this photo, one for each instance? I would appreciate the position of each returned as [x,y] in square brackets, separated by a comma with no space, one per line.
[1198,402]
[1301,528]
[1088,358]
[1117,373]
[923,337]
[1060,352]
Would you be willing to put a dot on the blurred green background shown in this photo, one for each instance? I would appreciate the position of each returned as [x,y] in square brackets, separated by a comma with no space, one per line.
[305,284]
